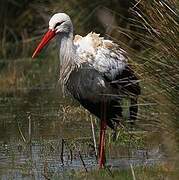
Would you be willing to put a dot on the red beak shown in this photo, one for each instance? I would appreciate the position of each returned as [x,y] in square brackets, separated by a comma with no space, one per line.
[47,37]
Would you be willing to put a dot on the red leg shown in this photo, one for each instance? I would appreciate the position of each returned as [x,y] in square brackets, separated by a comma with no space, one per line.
[103,125]
[102,143]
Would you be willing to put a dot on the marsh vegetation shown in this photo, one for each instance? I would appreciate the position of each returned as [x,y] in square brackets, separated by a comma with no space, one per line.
[44,135]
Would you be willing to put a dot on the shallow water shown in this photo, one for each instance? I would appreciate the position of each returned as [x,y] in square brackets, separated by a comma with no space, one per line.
[42,136]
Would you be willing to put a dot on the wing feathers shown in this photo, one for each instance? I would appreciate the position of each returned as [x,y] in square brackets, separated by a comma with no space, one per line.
[103,55]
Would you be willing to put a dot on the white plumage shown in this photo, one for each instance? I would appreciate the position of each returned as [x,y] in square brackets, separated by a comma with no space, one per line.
[104,55]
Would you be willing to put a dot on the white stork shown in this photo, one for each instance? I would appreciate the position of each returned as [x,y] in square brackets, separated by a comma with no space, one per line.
[95,71]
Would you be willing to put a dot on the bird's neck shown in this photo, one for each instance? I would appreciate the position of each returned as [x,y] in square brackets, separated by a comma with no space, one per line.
[67,56]
[66,47]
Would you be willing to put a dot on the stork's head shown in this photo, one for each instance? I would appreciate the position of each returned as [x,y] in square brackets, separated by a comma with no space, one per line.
[59,23]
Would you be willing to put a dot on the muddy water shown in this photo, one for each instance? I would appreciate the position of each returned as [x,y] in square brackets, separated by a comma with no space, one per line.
[41,136]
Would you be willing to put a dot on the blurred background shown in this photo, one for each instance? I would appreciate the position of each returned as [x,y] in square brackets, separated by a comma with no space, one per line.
[35,119]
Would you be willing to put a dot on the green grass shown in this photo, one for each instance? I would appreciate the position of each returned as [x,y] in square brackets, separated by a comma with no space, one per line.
[157,172]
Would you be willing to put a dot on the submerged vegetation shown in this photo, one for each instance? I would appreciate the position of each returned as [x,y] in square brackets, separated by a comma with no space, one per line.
[147,30]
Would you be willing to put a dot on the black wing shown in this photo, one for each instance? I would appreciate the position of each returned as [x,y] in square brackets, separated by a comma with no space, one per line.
[128,84]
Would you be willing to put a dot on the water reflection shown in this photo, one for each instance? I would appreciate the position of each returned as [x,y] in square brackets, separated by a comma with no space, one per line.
[32,126]
[41,137]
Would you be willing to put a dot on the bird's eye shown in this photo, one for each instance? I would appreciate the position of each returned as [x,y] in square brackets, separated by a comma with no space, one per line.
[58,24]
